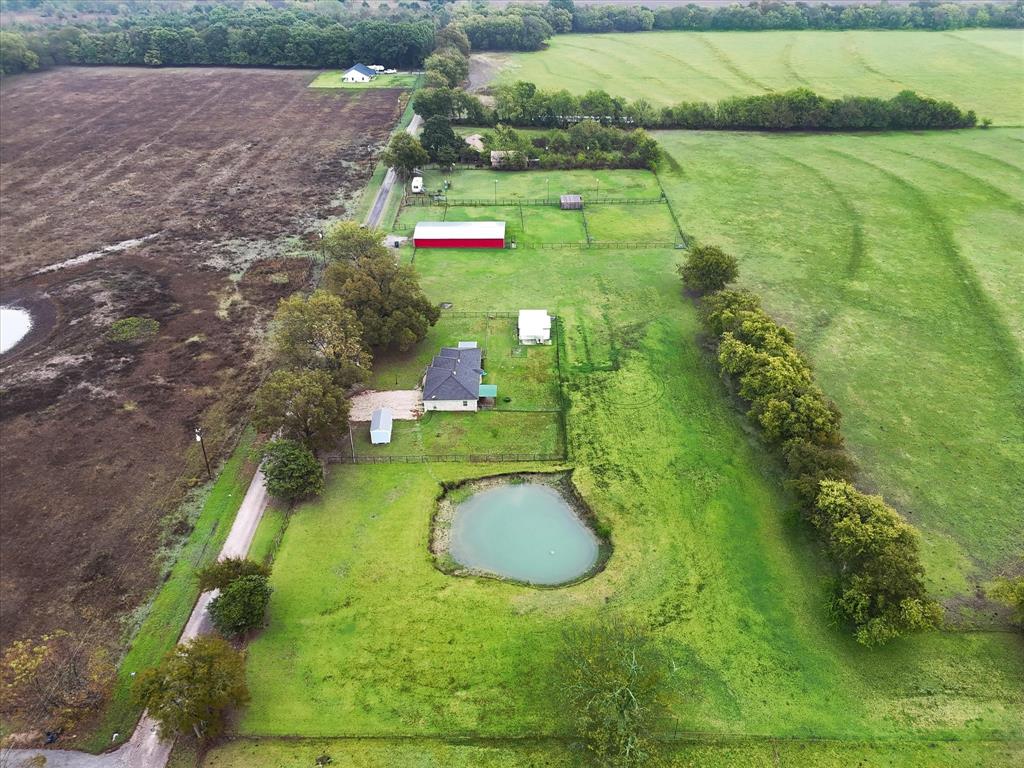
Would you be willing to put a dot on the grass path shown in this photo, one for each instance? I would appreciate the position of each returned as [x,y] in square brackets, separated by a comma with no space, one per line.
[669,67]
[897,260]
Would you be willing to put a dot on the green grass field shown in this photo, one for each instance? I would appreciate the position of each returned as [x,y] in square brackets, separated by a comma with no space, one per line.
[333,80]
[978,69]
[367,638]
[897,260]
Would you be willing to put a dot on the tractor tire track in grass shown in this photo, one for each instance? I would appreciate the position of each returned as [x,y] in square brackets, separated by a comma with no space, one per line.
[1010,200]
[792,71]
[726,61]
[678,62]
[858,248]
[860,60]
[997,161]
[977,297]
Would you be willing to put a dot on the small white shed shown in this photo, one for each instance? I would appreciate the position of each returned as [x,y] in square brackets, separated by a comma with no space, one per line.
[380,426]
[534,326]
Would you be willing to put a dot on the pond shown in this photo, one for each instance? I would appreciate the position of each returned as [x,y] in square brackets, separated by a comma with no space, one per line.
[14,324]
[523,531]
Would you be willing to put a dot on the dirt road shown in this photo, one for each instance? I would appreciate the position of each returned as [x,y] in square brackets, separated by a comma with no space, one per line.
[380,201]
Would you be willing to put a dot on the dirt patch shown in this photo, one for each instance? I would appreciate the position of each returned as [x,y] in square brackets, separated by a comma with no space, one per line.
[222,171]
[483,68]
[405,404]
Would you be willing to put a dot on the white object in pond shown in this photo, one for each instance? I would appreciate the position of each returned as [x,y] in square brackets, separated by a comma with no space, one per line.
[380,426]
[15,322]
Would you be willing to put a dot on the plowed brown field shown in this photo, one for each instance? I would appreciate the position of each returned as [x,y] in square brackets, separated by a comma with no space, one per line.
[214,168]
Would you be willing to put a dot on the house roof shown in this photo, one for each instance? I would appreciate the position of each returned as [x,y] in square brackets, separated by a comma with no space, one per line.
[460,230]
[362,69]
[380,419]
[453,375]
[534,322]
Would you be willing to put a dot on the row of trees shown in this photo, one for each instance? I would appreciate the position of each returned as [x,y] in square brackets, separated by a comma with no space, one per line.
[585,145]
[880,589]
[780,15]
[523,104]
[222,36]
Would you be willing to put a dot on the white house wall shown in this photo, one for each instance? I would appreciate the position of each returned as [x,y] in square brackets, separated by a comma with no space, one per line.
[449,405]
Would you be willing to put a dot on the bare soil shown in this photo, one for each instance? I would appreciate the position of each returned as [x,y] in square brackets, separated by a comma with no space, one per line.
[219,166]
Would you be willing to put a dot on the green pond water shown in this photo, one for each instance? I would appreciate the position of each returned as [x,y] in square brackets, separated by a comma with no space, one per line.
[524,531]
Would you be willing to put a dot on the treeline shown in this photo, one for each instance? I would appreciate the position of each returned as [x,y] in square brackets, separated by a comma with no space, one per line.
[775,15]
[584,145]
[879,577]
[522,104]
[222,36]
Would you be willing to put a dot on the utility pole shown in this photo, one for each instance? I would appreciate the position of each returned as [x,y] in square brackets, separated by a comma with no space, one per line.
[199,439]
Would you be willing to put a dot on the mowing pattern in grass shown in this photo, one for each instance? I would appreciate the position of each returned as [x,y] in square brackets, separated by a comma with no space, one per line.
[897,260]
[366,637]
[976,69]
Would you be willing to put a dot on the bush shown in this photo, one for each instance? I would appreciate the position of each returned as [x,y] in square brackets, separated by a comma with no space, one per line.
[221,573]
[708,268]
[240,606]
[129,329]
[291,471]
[1010,592]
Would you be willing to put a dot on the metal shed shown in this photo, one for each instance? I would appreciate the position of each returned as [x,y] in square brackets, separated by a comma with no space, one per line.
[459,234]
[572,202]
[380,426]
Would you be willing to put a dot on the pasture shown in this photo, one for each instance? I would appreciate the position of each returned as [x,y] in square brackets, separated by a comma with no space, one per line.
[366,638]
[978,69]
[897,261]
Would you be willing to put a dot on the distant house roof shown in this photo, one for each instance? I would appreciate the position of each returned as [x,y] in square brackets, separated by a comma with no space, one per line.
[454,374]
[381,419]
[460,230]
[362,69]
[476,141]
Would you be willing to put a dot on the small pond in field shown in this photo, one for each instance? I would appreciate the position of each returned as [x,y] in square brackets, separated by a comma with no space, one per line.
[526,531]
[15,322]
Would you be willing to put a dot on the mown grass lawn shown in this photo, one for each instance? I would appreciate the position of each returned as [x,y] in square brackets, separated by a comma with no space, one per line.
[367,638]
[897,260]
[543,185]
[976,68]
[333,80]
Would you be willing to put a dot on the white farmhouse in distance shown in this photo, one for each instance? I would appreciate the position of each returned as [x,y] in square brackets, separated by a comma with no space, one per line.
[534,326]
[358,74]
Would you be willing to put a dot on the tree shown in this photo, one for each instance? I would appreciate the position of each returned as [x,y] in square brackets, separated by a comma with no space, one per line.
[708,268]
[240,606]
[221,573]
[55,680]
[349,240]
[452,37]
[450,63]
[1011,592]
[291,471]
[387,299]
[15,55]
[440,141]
[307,406]
[613,679]
[193,686]
[405,154]
[320,333]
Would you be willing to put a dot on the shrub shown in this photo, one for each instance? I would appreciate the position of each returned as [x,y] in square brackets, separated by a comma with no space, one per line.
[129,329]
[1010,592]
[240,606]
[221,573]
[708,268]
[291,471]
[193,686]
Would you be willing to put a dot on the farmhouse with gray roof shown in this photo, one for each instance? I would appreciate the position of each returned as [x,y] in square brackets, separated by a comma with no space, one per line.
[452,380]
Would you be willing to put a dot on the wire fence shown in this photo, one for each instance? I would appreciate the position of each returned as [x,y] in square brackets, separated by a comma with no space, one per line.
[441,458]
[610,245]
[443,200]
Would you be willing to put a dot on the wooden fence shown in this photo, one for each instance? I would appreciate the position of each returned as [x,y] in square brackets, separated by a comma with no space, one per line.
[438,458]
[427,200]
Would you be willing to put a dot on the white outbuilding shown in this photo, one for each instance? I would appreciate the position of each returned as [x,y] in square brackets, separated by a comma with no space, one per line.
[534,326]
[380,426]
[359,73]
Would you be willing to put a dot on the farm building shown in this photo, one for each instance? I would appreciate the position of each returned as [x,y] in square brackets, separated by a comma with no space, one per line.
[380,426]
[571,202]
[476,141]
[452,380]
[534,326]
[459,234]
[359,73]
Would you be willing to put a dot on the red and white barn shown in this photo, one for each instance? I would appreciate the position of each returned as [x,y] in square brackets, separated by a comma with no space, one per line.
[459,234]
